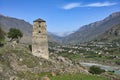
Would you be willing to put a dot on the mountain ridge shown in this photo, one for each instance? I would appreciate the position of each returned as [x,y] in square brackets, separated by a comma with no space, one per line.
[9,22]
[83,34]
[90,31]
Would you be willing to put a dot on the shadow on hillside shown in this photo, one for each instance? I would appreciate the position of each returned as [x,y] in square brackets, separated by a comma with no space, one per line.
[1,45]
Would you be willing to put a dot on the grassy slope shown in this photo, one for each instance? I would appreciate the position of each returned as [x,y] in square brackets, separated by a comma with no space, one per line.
[31,76]
[77,77]
[9,54]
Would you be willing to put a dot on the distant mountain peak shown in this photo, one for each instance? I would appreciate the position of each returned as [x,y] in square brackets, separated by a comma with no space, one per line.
[115,14]
[63,34]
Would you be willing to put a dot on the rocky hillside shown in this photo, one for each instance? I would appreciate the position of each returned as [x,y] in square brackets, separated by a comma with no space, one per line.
[8,22]
[18,63]
[90,31]
[111,34]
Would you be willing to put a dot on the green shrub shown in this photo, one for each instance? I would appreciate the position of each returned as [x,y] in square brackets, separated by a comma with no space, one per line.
[118,62]
[14,34]
[111,71]
[96,70]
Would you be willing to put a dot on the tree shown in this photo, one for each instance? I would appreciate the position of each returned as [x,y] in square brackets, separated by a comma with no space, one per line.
[14,34]
[96,70]
[2,35]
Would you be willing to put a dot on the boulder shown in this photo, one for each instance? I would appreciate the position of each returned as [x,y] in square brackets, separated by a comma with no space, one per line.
[45,78]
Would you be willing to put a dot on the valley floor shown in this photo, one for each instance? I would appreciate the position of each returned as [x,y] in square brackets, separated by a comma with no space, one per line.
[17,63]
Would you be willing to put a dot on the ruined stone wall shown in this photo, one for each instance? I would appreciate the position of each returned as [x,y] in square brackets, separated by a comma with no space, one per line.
[39,40]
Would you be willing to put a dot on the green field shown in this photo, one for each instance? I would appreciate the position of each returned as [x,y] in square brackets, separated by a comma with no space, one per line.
[77,77]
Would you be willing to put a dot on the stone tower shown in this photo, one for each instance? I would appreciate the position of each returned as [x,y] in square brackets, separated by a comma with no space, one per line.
[39,39]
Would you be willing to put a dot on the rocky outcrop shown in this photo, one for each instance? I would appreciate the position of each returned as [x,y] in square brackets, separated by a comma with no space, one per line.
[111,34]
[18,60]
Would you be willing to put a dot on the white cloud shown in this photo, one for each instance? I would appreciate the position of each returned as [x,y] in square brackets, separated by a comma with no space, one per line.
[98,4]
[71,6]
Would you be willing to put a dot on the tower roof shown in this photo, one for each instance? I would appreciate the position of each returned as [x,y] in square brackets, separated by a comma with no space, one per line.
[39,20]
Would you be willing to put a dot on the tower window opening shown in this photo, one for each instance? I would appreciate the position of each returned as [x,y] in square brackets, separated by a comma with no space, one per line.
[39,32]
[39,25]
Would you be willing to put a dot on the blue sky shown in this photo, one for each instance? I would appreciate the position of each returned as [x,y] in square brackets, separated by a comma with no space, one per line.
[60,15]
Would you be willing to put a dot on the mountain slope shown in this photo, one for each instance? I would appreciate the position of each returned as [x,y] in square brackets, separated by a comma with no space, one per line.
[8,22]
[53,37]
[111,34]
[90,31]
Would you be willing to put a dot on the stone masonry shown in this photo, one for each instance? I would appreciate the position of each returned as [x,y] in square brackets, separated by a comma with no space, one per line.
[39,39]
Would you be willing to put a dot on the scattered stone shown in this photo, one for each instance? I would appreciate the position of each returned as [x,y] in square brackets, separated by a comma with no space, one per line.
[1,69]
[13,44]
[61,71]
[13,78]
[60,58]
[45,78]
[20,59]
[53,74]
[40,63]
